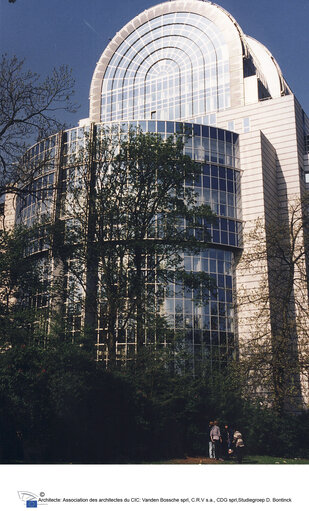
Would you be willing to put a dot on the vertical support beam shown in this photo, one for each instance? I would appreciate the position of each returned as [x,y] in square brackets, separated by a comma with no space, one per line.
[91,267]
[57,260]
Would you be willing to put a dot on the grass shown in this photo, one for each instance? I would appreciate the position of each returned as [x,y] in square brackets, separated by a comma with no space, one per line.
[271,460]
[202,460]
[248,460]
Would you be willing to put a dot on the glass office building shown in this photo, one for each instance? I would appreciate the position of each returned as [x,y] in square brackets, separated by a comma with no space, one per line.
[190,62]
[206,327]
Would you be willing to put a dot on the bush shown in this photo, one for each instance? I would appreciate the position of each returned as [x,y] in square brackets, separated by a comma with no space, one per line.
[58,405]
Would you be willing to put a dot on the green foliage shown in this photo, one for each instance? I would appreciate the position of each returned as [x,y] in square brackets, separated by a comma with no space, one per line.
[62,405]
[132,213]
[20,279]
[58,405]
[276,435]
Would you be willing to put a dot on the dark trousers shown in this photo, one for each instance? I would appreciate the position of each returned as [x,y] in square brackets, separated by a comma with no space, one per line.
[239,454]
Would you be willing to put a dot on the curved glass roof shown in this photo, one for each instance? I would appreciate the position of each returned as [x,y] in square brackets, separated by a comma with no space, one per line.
[174,66]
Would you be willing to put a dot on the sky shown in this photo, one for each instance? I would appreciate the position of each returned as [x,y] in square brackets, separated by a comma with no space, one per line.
[48,33]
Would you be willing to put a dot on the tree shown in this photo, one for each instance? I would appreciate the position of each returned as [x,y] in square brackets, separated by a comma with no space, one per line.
[135,192]
[58,405]
[22,289]
[275,349]
[28,109]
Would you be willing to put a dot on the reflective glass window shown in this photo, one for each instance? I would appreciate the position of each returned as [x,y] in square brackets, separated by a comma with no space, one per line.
[172,67]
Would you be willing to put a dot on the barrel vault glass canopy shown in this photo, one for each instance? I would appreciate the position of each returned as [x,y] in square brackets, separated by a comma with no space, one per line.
[175,66]
[182,60]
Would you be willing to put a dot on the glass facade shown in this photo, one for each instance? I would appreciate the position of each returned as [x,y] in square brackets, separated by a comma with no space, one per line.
[38,203]
[175,66]
[170,75]
[206,325]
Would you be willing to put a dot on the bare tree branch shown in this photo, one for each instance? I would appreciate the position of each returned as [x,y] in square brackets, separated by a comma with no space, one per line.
[28,108]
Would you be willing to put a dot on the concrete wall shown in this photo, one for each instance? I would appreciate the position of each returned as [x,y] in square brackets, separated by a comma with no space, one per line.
[9,211]
[272,184]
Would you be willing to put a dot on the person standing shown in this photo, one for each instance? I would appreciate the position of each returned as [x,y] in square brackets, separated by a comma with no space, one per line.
[239,445]
[211,445]
[225,441]
[215,436]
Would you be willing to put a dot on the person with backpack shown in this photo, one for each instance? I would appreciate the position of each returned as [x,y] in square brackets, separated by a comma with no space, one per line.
[239,445]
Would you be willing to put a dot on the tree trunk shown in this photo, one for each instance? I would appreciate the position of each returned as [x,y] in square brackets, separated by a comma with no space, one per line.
[92,263]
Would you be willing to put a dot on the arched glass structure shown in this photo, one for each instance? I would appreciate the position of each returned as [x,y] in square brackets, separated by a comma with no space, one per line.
[175,66]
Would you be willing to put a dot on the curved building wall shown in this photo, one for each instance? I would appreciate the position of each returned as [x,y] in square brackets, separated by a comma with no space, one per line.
[41,162]
[205,326]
